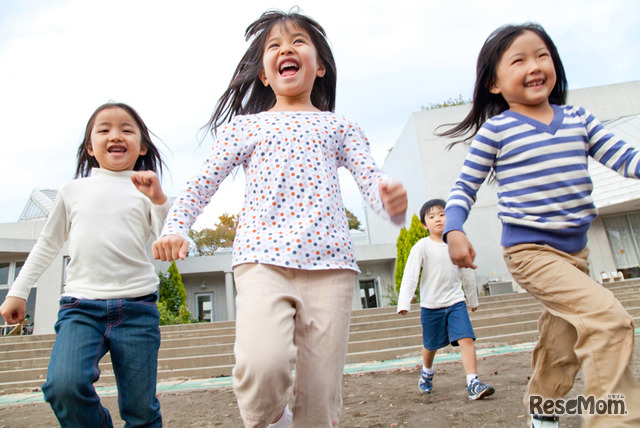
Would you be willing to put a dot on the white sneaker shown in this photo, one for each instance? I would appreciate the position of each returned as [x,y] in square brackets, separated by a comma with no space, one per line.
[544,421]
[285,419]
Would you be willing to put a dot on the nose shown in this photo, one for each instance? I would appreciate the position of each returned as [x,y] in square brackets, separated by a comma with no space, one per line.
[534,67]
[286,48]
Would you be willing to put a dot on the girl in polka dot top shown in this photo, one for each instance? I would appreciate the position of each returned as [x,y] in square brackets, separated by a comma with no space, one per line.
[293,258]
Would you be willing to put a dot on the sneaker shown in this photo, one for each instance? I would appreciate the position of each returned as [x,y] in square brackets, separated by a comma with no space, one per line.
[478,390]
[425,384]
[544,421]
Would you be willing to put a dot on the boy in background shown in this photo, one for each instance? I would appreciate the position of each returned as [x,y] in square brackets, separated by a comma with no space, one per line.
[443,309]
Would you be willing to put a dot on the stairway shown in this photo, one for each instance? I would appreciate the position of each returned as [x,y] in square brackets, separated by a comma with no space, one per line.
[206,350]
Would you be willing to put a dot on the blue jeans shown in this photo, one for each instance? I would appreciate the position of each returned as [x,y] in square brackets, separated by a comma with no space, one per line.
[86,330]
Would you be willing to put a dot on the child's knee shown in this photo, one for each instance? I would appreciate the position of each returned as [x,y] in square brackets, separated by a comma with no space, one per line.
[270,364]
[66,389]
[616,321]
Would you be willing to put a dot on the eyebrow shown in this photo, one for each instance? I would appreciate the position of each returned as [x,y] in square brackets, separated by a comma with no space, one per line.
[300,34]
[105,123]
[292,35]
[541,48]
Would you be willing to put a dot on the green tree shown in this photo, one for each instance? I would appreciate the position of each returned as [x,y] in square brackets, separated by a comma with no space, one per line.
[172,301]
[354,223]
[205,242]
[406,240]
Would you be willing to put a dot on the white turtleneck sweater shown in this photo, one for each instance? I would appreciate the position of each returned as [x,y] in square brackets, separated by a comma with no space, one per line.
[107,222]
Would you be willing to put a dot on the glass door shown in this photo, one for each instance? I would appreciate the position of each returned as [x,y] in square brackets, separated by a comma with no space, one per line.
[368,294]
[204,307]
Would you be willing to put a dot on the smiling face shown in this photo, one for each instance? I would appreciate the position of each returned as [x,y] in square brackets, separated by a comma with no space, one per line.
[115,140]
[290,66]
[525,74]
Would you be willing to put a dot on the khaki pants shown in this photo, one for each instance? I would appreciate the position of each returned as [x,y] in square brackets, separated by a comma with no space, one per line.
[582,325]
[290,318]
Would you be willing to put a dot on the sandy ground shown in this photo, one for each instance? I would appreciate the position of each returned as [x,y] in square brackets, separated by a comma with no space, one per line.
[373,399]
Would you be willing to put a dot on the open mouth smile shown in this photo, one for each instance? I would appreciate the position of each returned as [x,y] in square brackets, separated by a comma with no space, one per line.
[534,83]
[117,149]
[288,68]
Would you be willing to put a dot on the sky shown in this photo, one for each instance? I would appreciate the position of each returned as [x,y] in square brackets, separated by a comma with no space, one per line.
[171,61]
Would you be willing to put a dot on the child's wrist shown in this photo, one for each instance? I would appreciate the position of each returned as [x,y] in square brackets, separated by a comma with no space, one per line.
[159,200]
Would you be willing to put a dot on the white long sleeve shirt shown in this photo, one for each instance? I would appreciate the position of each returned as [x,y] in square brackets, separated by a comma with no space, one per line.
[108,223]
[441,282]
[293,214]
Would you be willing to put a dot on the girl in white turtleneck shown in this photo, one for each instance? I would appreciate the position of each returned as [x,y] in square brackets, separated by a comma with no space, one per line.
[109,300]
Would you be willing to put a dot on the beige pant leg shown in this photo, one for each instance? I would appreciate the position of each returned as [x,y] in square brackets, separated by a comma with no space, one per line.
[290,318]
[322,335]
[603,339]
[555,363]
[264,348]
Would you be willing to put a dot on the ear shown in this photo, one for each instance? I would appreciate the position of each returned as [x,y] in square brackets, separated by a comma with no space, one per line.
[89,148]
[263,77]
[321,69]
[494,89]
[143,149]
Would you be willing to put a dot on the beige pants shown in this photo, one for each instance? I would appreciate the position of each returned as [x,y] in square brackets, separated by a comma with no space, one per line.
[582,325]
[291,318]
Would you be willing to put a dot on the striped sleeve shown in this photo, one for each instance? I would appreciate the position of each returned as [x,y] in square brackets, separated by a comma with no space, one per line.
[610,150]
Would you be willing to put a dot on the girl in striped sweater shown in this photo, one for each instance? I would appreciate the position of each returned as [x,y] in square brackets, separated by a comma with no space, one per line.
[537,149]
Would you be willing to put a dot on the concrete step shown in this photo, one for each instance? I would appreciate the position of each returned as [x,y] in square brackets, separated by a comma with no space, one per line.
[206,349]
[411,346]
[388,336]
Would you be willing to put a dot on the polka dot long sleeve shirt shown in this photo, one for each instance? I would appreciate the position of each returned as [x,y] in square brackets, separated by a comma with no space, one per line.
[293,214]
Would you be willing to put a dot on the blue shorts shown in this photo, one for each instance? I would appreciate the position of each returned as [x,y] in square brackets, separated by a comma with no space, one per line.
[445,325]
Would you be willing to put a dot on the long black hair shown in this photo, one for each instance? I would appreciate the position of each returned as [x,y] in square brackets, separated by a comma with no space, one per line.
[150,161]
[486,104]
[247,95]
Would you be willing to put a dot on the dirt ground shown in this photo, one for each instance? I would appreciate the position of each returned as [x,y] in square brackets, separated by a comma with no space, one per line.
[374,400]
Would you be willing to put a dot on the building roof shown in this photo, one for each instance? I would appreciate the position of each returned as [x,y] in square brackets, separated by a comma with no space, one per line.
[39,205]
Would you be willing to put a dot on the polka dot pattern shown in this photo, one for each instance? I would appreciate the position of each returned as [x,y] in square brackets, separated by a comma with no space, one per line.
[293,214]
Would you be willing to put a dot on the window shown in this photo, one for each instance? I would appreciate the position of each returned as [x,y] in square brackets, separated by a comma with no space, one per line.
[623,232]
[4,274]
[17,269]
[9,272]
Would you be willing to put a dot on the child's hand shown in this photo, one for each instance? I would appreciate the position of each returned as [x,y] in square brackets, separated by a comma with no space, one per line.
[402,312]
[460,249]
[147,183]
[474,309]
[170,248]
[13,310]
[394,197]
